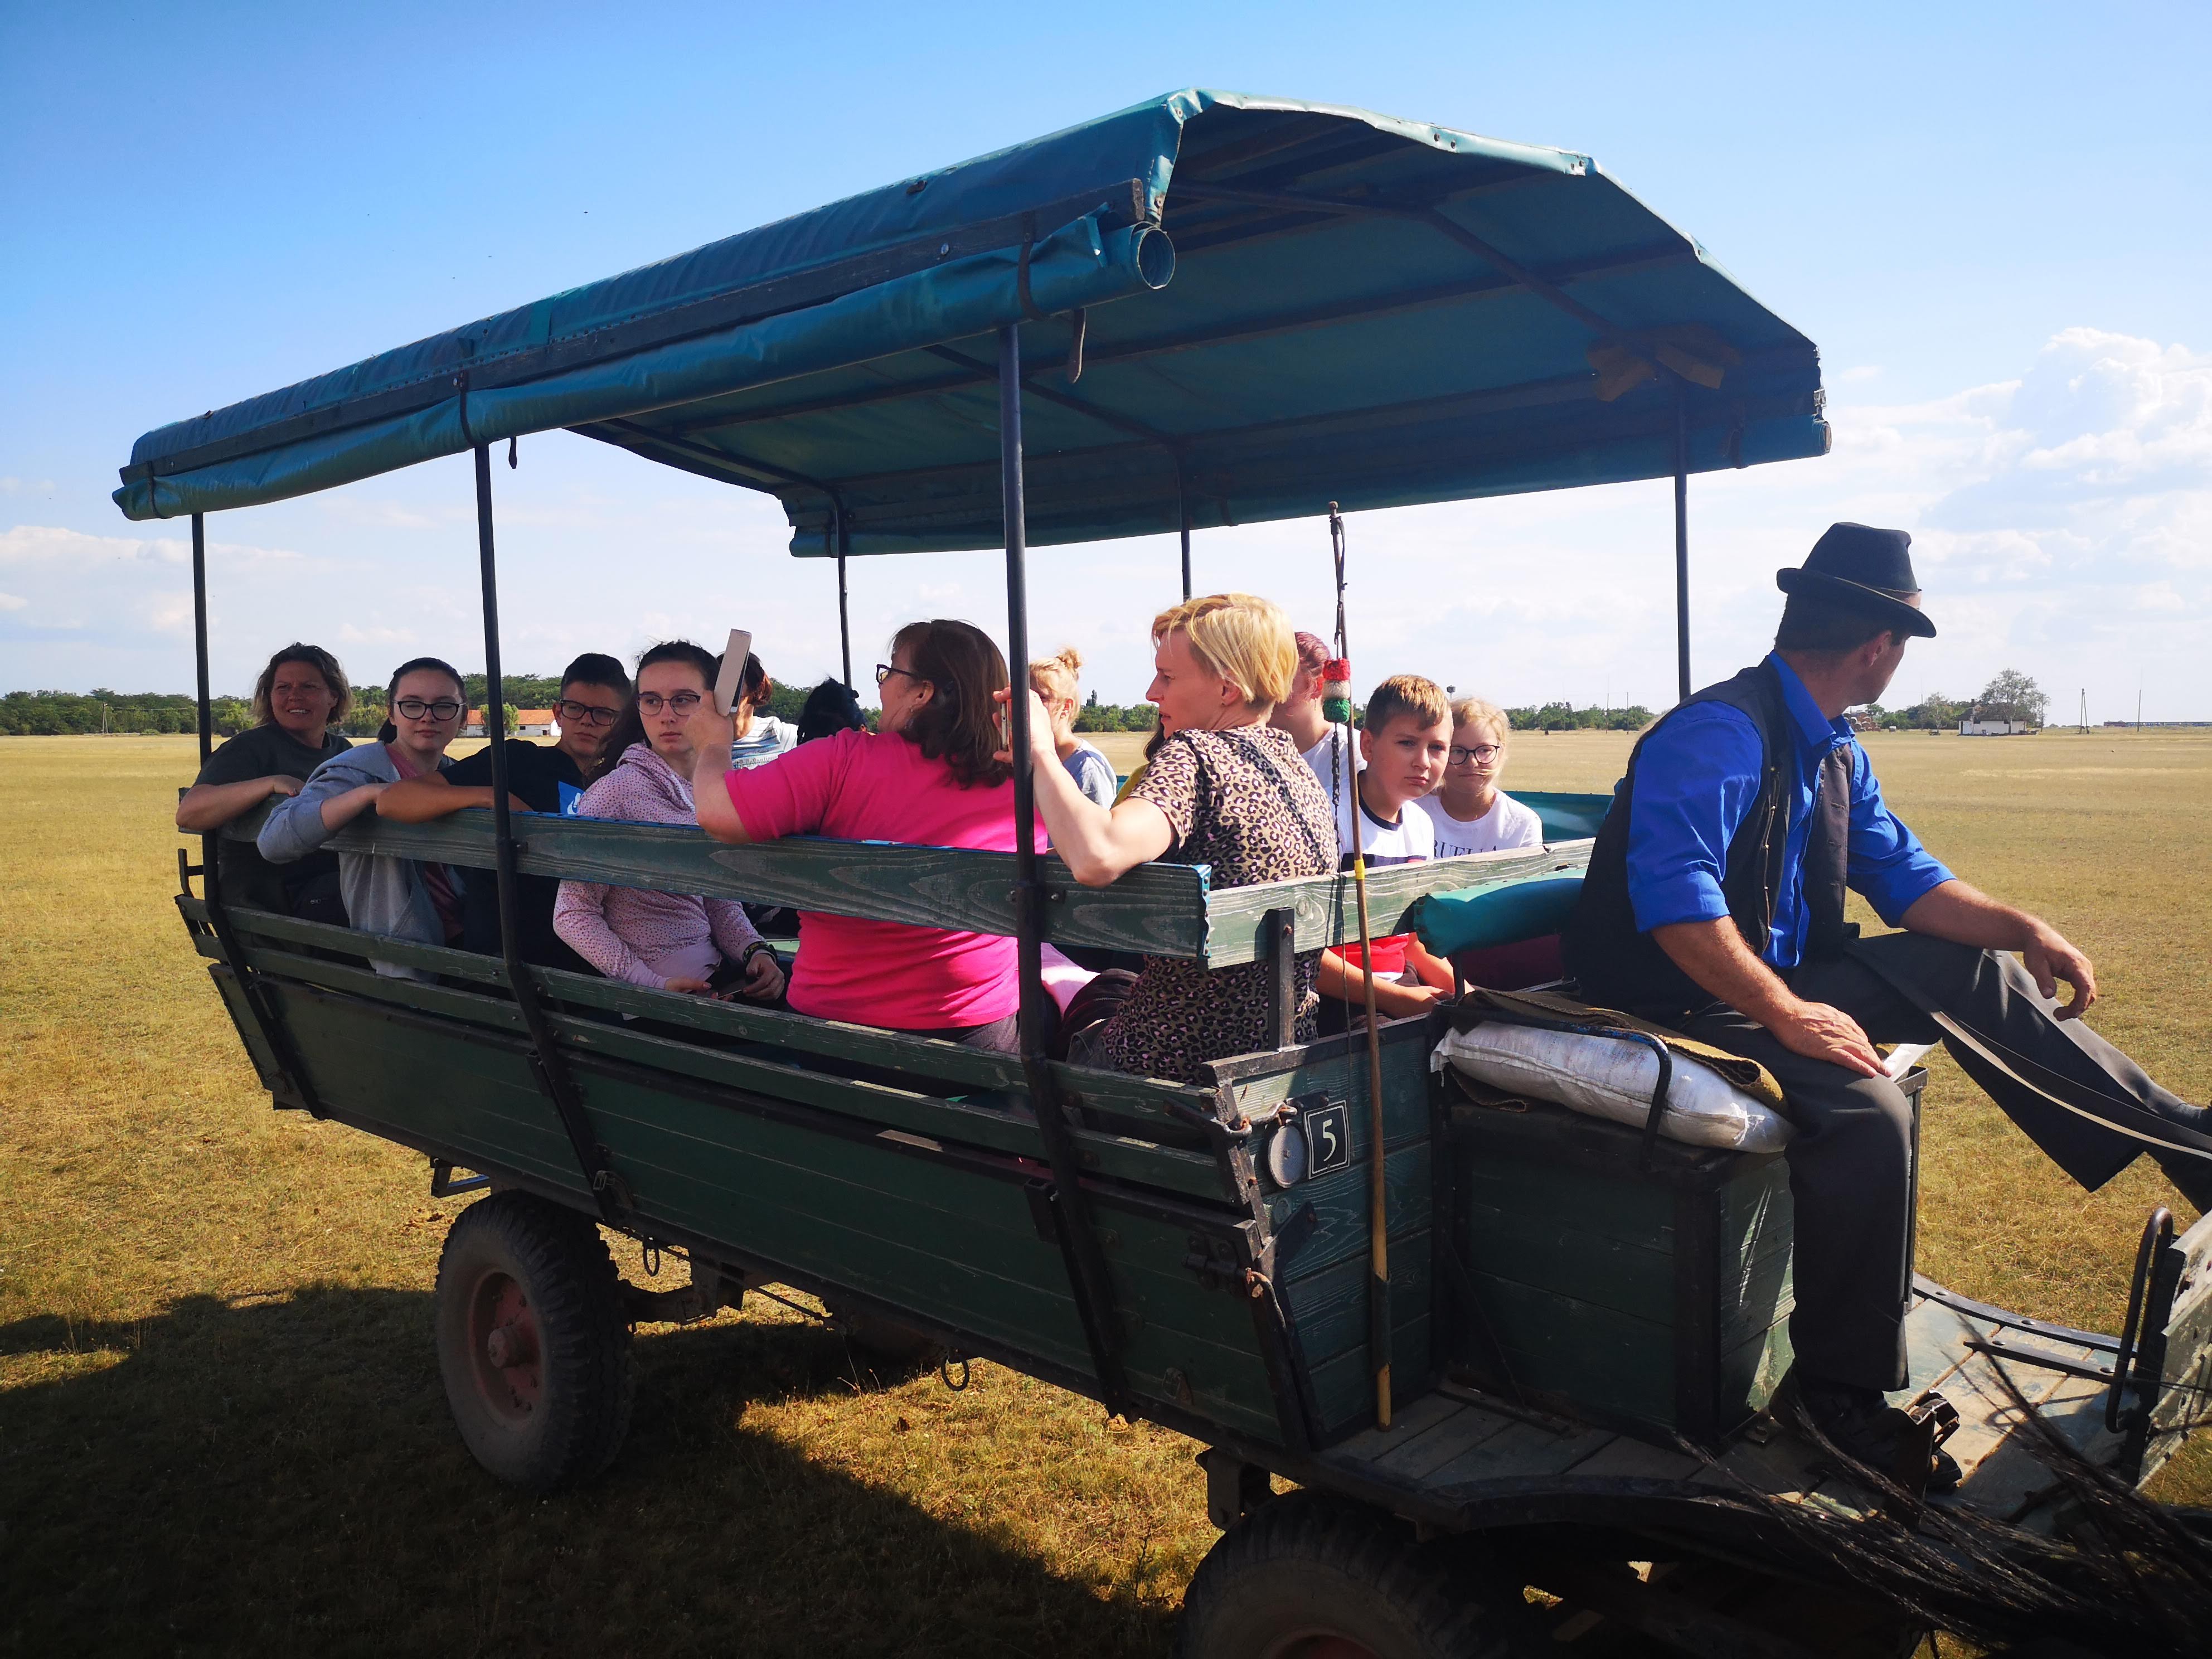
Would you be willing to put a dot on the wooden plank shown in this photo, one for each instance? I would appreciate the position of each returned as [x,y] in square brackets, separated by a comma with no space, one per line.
[1630,1459]
[1196,1175]
[1151,1099]
[1329,1310]
[1344,1387]
[1466,1429]
[1428,1411]
[1639,1215]
[1523,1452]
[1158,909]
[1556,1345]
[1325,909]
[1566,1256]
[1340,1202]
[1337,1069]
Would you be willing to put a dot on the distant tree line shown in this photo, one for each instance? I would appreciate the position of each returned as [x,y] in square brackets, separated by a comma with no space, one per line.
[2011,696]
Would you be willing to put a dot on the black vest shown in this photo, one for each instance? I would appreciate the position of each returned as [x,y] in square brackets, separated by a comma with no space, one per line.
[1619,967]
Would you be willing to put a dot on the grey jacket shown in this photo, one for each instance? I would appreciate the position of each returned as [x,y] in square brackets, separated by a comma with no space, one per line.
[382,895]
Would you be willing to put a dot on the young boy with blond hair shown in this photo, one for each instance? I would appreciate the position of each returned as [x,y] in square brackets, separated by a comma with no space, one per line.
[1471,813]
[1405,737]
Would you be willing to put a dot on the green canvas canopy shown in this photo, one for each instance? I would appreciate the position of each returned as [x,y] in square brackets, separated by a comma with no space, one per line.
[1231,309]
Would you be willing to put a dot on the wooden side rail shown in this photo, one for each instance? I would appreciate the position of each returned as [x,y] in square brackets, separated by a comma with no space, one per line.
[1158,909]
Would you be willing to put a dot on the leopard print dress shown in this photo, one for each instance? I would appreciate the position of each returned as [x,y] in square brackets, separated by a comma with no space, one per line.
[1243,802]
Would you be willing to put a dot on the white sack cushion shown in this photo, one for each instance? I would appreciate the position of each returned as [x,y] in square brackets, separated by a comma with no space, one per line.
[1610,1078]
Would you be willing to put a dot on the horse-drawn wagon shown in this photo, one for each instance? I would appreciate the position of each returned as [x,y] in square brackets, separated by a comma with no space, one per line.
[1580,1324]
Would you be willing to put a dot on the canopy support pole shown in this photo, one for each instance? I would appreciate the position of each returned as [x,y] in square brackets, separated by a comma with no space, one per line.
[1681,547]
[200,633]
[1071,1210]
[1183,517]
[607,1187]
[290,1086]
[844,616]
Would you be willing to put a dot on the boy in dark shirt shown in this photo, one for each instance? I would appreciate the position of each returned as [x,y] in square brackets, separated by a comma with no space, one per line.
[301,694]
[594,691]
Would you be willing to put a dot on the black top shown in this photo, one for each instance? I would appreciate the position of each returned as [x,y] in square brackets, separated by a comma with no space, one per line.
[245,877]
[535,772]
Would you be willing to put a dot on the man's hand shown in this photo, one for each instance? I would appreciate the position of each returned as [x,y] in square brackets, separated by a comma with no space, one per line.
[1819,1032]
[281,785]
[710,734]
[1966,916]
[2050,958]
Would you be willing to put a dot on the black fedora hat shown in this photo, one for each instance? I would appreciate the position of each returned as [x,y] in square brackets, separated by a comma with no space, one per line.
[1856,567]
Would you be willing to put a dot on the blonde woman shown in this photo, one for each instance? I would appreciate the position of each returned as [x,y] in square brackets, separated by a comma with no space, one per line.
[1058,682]
[1226,789]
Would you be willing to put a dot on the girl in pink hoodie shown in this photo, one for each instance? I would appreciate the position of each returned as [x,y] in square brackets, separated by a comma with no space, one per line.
[663,941]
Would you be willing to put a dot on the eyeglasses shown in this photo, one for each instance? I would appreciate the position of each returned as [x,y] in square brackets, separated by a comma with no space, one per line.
[1481,755]
[413,708]
[573,713]
[884,671]
[682,702]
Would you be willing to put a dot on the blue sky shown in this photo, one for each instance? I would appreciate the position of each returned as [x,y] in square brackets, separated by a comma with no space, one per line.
[1993,219]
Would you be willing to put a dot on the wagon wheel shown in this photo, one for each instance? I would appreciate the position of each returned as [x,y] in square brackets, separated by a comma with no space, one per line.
[1310,1576]
[532,1341]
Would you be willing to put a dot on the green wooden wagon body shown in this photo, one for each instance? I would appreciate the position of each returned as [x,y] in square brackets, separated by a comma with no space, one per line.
[1551,1280]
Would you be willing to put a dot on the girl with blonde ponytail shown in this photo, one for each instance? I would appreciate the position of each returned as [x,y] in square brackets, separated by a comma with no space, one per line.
[1059,685]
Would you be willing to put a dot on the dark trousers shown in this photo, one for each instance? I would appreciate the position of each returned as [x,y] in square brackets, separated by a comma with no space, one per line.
[2083,1101]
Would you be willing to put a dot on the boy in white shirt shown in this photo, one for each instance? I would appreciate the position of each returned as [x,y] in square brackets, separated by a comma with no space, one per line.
[1404,736]
[1470,812]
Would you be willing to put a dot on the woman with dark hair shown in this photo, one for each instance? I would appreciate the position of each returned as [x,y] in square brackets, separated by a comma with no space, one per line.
[932,776]
[301,695]
[402,898]
[662,941]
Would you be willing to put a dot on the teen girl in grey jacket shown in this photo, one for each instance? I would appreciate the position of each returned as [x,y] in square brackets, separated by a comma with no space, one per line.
[383,895]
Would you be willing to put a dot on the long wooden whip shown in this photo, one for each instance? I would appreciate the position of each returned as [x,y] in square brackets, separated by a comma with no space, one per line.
[1338,710]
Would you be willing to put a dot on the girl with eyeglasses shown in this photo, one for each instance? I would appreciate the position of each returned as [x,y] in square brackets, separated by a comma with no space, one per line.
[540,778]
[662,941]
[1471,813]
[401,897]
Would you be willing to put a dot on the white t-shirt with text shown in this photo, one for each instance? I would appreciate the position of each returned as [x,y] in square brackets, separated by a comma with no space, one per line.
[1507,824]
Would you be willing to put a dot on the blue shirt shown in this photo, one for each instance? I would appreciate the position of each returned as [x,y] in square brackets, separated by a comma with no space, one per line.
[1698,777]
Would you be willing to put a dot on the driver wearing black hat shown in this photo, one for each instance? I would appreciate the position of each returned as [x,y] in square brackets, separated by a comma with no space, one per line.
[1714,904]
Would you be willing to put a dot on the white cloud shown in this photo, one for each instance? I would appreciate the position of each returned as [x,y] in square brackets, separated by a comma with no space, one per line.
[12,602]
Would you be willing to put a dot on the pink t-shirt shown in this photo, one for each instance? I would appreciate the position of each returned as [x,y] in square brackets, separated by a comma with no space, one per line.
[868,785]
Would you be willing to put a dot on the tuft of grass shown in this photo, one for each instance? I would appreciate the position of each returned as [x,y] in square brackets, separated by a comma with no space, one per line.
[221,1422]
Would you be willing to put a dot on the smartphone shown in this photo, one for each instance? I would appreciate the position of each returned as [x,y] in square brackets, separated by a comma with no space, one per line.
[732,680]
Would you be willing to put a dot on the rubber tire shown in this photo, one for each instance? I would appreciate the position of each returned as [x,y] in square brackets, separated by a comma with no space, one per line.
[587,1382]
[1306,1562]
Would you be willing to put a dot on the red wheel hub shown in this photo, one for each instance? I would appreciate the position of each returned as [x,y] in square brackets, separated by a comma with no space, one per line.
[503,1347]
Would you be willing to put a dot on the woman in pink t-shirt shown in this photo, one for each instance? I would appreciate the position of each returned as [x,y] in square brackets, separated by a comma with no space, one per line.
[929,777]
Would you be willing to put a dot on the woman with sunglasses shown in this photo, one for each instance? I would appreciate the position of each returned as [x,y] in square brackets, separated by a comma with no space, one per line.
[662,941]
[540,778]
[1471,813]
[399,898]
[930,776]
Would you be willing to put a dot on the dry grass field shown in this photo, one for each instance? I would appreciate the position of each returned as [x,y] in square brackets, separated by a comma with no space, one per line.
[221,1424]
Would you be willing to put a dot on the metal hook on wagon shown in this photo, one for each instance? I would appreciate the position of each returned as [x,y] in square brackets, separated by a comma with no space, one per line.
[945,1373]
[512,460]
[649,1256]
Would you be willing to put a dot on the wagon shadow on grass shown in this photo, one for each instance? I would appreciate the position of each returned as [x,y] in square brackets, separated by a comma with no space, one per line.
[282,1474]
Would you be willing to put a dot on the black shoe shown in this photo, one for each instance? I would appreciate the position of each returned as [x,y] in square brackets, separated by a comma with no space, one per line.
[1862,1426]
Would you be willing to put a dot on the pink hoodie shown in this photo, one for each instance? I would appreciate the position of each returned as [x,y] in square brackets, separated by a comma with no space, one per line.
[635,933]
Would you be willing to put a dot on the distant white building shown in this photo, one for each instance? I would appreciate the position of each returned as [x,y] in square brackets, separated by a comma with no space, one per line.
[528,722]
[1971,727]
